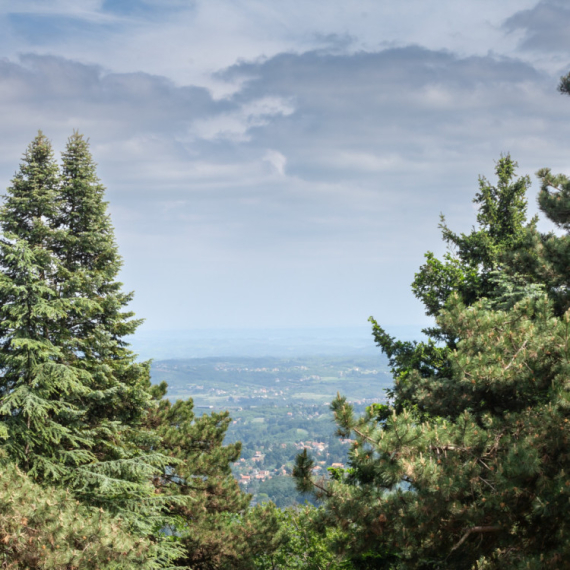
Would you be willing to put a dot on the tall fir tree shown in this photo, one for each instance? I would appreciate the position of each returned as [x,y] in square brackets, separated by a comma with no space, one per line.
[40,404]
[207,511]
[77,409]
[72,396]
[92,337]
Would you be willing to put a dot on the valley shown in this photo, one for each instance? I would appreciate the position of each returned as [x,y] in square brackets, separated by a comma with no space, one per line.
[278,407]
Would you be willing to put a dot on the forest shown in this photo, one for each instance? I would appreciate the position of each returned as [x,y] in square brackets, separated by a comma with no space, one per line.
[466,465]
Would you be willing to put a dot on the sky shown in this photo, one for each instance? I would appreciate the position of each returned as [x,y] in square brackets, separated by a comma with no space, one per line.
[276,164]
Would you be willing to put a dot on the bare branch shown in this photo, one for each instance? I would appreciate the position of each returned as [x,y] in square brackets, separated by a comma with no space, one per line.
[515,355]
[476,530]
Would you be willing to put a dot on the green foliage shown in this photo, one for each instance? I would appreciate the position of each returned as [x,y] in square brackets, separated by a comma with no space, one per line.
[211,515]
[543,259]
[40,395]
[72,396]
[469,467]
[470,271]
[302,546]
[48,529]
[467,269]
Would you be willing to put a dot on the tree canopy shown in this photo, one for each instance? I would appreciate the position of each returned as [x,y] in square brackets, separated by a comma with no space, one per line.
[467,467]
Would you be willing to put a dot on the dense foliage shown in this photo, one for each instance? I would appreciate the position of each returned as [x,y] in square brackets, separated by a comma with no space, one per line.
[40,529]
[469,466]
[302,546]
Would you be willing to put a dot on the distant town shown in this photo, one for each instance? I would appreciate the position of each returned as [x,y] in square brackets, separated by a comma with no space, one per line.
[278,407]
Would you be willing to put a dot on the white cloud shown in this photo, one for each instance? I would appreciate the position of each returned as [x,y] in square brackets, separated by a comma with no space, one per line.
[277,160]
[236,125]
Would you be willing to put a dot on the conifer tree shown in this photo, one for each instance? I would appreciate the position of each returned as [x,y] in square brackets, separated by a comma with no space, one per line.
[216,528]
[40,404]
[469,468]
[92,338]
[76,408]
[72,398]
[46,528]
[475,266]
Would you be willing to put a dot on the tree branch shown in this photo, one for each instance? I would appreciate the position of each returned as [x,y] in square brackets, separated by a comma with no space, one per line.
[476,530]
[515,355]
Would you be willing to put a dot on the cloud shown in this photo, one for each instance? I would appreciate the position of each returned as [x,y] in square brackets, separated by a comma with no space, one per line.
[277,160]
[236,125]
[544,27]
[188,40]
[329,126]
[395,110]
[321,172]
[330,115]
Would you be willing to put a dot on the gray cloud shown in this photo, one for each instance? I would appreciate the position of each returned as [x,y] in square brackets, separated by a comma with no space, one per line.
[383,110]
[544,27]
[313,190]
[66,87]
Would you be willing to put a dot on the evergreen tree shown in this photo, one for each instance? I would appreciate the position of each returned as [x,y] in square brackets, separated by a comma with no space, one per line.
[40,403]
[77,410]
[92,339]
[302,546]
[469,468]
[72,399]
[215,525]
[475,266]
[44,528]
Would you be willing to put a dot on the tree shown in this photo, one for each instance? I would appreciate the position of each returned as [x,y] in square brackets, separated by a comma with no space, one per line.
[72,397]
[40,396]
[302,546]
[474,267]
[92,338]
[469,468]
[215,525]
[46,528]
[77,410]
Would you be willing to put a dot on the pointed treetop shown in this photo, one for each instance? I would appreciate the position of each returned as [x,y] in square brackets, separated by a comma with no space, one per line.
[31,201]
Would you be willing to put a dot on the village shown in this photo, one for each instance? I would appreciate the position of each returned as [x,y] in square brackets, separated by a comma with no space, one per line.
[254,469]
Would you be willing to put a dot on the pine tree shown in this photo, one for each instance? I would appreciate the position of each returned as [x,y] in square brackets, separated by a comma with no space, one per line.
[475,266]
[469,468]
[216,527]
[47,528]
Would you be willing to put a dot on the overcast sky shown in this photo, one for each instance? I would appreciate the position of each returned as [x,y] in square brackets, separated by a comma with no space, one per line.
[284,164]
